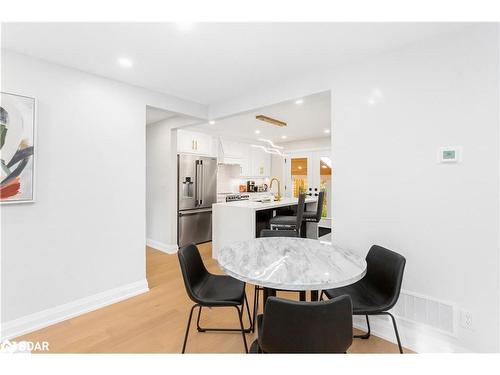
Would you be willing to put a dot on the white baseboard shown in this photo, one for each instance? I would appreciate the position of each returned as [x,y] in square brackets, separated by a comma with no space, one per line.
[165,247]
[45,318]
[414,336]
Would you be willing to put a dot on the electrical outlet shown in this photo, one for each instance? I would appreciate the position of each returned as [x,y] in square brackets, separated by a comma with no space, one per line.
[466,320]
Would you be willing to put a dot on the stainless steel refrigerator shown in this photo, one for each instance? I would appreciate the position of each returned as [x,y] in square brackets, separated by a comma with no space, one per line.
[196,192]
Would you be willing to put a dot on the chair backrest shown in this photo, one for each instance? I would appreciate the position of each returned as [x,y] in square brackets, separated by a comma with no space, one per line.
[384,271]
[319,208]
[300,210]
[278,233]
[193,270]
[307,327]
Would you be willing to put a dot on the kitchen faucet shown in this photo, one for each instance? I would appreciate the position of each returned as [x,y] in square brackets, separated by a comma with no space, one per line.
[276,196]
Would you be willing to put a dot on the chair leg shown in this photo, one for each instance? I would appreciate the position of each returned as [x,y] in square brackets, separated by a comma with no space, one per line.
[396,331]
[314,296]
[249,315]
[366,335]
[188,325]
[240,316]
[321,296]
[203,329]
[302,295]
[255,307]
[198,322]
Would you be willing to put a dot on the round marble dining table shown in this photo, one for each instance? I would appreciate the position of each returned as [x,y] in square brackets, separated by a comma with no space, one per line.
[296,264]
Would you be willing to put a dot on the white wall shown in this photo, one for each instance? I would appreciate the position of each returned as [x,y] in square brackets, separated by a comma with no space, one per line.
[85,234]
[307,144]
[159,173]
[443,218]
[388,188]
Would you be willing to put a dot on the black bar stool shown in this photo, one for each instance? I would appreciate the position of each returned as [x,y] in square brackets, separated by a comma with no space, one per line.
[290,222]
[312,216]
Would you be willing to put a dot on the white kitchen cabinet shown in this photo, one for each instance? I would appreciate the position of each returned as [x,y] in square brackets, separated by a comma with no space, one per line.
[246,164]
[194,143]
[253,162]
[260,163]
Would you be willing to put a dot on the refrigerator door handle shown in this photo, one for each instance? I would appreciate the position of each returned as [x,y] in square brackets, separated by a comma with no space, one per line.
[198,182]
[194,212]
[202,178]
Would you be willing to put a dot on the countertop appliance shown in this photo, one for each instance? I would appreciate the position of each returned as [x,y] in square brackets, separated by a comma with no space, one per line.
[196,192]
[237,197]
[251,188]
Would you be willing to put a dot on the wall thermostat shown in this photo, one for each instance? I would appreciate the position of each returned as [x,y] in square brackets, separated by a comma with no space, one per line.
[450,154]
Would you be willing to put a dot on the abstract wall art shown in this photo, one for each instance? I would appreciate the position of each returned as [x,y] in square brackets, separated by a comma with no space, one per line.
[17,148]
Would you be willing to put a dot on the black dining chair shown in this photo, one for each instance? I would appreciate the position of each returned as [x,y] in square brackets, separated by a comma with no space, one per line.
[378,291]
[304,327]
[208,290]
[290,222]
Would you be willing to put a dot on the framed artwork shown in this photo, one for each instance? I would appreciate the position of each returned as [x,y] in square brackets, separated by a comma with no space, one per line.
[17,148]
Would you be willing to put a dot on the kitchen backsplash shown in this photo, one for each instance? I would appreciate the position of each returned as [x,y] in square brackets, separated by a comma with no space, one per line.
[229,180]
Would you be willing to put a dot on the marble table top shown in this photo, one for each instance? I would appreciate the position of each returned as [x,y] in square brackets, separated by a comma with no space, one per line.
[291,263]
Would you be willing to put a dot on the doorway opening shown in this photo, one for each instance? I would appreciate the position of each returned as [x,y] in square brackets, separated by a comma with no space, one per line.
[289,141]
[161,176]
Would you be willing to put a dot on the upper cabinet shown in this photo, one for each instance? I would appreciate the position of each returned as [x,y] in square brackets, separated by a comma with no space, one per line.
[260,163]
[194,143]
[253,162]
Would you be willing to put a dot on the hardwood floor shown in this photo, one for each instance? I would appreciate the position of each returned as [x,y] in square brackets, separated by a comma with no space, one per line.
[155,322]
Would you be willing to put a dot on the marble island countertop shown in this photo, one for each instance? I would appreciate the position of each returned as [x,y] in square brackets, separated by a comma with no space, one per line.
[257,206]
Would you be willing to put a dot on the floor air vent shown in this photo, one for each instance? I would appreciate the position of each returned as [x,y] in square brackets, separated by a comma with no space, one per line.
[426,310]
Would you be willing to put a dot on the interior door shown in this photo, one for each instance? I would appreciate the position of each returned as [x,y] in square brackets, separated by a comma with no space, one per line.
[299,174]
[323,180]
[310,172]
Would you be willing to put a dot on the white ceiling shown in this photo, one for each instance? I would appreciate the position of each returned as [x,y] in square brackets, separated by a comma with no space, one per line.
[154,115]
[304,121]
[212,61]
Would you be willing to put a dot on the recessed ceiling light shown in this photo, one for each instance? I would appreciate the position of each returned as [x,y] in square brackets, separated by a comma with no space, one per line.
[257,131]
[326,131]
[125,63]
[211,122]
[299,101]
[283,137]
[184,26]
[299,167]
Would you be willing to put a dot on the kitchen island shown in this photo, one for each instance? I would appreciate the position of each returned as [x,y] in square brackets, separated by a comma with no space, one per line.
[242,220]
